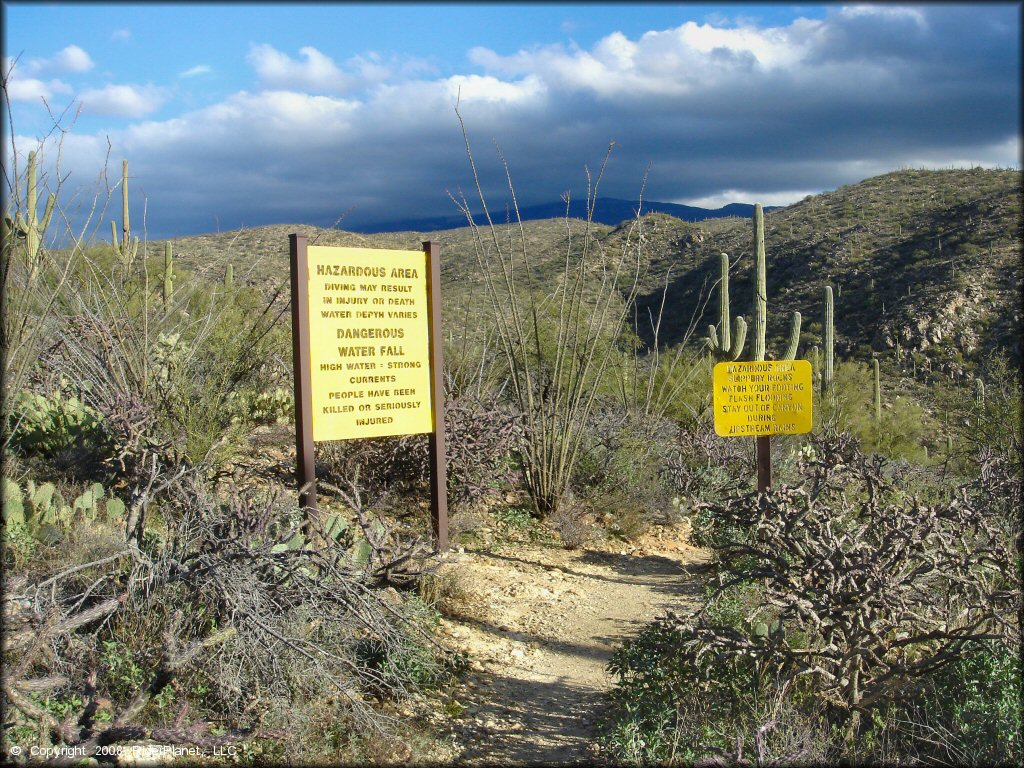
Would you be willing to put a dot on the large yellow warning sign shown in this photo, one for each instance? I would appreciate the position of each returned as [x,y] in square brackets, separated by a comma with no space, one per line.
[767,398]
[369,343]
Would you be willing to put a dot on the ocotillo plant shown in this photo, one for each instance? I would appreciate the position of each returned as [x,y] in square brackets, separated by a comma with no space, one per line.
[725,343]
[761,297]
[877,390]
[29,226]
[830,341]
[168,274]
[127,247]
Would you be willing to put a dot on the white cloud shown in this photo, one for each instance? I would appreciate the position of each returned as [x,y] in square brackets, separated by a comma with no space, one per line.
[121,34]
[685,60]
[30,89]
[200,69]
[71,59]
[316,72]
[131,101]
[723,198]
[885,13]
[491,90]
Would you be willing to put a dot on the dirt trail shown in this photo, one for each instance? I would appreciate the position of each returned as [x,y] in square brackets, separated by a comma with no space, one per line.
[540,627]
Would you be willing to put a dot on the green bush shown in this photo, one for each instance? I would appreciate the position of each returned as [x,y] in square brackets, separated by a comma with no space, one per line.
[852,606]
[969,712]
[904,430]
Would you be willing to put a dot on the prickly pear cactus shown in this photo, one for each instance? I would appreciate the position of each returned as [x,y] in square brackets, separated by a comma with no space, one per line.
[14,508]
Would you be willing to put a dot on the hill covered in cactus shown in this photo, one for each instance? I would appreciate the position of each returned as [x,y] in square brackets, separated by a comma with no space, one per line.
[925,265]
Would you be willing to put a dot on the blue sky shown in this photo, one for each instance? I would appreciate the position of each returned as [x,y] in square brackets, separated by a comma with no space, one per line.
[246,114]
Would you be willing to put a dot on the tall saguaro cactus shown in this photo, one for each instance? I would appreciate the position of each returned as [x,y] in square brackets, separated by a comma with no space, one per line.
[877,390]
[726,344]
[168,274]
[830,341]
[126,247]
[29,226]
[761,298]
[760,285]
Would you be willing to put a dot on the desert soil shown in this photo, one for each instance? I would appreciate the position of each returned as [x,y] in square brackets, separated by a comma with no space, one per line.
[539,624]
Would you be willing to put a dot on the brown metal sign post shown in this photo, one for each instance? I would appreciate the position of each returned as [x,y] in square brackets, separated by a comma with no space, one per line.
[438,452]
[764,462]
[304,453]
[366,348]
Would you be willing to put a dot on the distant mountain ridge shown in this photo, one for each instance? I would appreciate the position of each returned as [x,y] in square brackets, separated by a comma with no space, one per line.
[607,210]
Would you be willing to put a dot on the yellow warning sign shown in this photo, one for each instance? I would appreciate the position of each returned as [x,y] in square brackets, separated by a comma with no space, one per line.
[767,398]
[369,343]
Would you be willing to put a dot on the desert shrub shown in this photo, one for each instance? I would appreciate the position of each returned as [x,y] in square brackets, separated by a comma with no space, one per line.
[674,707]
[840,599]
[620,472]
[987,421]
[573,521]
[967,713]
[904,430]
[559,334]
[251,406]
[481,437]
[704,466]
[286,631]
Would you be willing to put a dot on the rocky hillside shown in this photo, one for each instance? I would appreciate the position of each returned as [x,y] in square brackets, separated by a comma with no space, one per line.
[925,265]
[922,262]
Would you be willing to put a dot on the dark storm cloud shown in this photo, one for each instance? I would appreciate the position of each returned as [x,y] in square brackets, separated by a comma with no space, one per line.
[766,113]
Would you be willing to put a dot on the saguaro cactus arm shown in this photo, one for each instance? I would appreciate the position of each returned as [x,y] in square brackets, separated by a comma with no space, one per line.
[794,337]
[726,343]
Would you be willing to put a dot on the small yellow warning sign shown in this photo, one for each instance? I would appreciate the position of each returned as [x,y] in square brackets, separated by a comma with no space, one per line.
[765,398]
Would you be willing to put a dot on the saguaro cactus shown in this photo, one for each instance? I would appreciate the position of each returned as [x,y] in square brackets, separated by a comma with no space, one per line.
[168,274]
[29,226]
[761,297]
[726,344]
[830,341]
[979,393]
[760,285]
[877,390]
[127,247]
[229,277]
